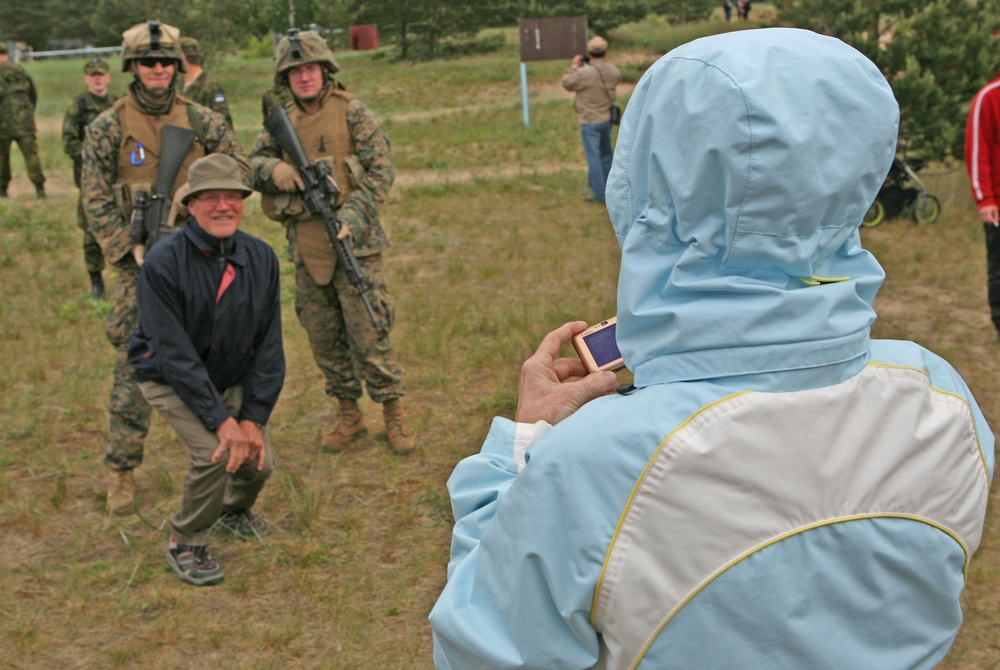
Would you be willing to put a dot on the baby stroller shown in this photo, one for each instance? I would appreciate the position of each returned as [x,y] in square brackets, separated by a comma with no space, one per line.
[902,192]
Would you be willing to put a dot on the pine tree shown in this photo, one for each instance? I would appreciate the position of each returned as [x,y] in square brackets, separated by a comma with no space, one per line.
[934,54]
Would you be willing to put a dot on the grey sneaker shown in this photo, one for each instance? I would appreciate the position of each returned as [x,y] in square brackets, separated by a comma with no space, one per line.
[193,565]
[245,524]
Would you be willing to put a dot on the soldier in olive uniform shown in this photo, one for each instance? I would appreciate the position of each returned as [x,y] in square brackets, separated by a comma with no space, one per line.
[338,130]
[198,85]
[120,160]
[84,109]
[17,122]
[274,97]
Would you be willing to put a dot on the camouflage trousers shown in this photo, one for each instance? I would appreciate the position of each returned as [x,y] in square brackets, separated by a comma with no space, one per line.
[92,255]
[345,344]
[29,149]
[129,412]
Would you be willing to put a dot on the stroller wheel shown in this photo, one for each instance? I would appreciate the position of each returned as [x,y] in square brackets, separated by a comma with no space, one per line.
[926,208]
[875,214]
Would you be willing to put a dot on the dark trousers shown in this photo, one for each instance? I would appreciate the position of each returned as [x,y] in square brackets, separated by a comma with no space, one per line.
[993,271]
[29,149]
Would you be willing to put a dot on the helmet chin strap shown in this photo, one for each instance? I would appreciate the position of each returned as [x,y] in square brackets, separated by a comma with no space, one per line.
[138,86]
[154,101]
[319,94]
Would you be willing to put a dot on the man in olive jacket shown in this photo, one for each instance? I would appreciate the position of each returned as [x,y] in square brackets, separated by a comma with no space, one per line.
[84,109]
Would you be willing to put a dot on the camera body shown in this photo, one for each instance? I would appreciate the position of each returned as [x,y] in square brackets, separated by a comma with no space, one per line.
[597,348]
[585,58]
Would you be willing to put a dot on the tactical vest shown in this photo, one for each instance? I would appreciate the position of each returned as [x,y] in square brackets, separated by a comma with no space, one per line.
[326,139]
[139,153]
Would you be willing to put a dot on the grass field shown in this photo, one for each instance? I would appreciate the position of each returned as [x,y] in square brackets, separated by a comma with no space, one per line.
[493,245]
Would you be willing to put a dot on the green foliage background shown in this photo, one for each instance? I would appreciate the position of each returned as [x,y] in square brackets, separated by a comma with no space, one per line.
[935,54]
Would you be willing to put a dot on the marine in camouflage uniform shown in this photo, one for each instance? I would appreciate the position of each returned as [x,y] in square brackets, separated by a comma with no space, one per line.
[339,130]
[120,156]
[84,109]
[198,84]
[17,122]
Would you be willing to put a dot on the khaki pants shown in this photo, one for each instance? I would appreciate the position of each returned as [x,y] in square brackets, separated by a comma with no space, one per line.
[208,488]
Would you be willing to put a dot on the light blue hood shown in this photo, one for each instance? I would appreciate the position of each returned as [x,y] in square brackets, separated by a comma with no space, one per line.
[744,166]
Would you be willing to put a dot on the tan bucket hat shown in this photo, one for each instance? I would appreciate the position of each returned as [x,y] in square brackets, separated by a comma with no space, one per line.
[215,172]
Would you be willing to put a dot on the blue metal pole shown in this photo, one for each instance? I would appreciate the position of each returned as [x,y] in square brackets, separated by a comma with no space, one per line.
[524,91]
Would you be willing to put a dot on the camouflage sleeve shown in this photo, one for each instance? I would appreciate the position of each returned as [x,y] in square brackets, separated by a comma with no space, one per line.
[72,138]
[266,154]
[375,152]
[216,97]
[219,138]
[100,172]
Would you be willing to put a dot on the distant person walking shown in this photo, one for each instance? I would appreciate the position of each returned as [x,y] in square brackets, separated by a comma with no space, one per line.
[199,86]
[84,109]
[17,122]
[982,161]
[727,8]
[594,81]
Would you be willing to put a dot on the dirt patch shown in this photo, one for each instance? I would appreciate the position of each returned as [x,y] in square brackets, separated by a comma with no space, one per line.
[418,178]
[21,186]
[546,91]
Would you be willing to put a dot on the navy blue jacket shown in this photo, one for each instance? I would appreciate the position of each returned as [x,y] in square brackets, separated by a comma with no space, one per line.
[200,341]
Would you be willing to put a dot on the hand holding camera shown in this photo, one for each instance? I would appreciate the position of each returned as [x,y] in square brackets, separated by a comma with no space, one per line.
[597,347]
[553,388]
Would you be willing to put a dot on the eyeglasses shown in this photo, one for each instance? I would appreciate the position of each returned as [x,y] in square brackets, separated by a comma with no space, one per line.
[153,62]
[231,199]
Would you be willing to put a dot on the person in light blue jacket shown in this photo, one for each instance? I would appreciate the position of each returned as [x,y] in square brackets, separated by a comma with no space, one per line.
[778,490]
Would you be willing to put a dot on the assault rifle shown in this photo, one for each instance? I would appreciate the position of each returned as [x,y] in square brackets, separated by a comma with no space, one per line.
[319,189]
[150,222]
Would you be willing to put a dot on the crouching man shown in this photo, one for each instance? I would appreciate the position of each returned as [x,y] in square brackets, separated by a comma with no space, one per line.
[208,357]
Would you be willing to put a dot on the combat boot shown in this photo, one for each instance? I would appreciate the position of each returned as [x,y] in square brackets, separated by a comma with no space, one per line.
[96,286]
[40,191]
[350,426]
[121,491]
[401,439]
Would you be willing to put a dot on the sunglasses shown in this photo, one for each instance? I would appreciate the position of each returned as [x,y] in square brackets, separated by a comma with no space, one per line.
[153,62]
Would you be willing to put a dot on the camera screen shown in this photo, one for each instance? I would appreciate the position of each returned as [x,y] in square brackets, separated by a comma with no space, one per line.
[602,345]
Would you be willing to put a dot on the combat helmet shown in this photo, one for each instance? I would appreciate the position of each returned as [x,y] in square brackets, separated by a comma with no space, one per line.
[300,47]
[151,39]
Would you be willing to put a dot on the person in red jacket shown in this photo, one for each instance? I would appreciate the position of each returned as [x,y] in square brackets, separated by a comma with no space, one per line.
[982,160]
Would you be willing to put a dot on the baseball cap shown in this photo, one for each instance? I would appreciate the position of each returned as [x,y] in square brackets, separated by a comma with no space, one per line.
[96,66]
[597,45]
